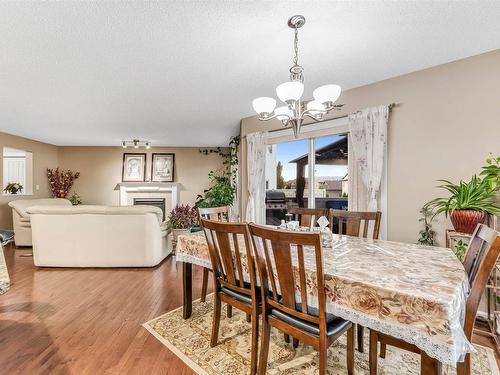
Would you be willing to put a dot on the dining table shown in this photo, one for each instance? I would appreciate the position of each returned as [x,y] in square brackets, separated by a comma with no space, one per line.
[412,292]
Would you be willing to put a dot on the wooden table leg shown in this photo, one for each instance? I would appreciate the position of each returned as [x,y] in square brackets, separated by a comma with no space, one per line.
[430,366]
[187,285]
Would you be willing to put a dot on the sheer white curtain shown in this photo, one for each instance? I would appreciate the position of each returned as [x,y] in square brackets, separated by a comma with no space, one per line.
[368,137]
[256,166]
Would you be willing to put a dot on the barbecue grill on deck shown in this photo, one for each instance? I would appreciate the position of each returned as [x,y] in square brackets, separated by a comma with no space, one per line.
[276,207]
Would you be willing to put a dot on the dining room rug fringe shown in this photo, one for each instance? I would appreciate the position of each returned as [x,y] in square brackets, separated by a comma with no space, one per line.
[190,340]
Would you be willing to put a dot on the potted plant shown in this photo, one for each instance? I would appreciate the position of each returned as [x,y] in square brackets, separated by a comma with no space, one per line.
[75,199]
[427,233]
[182,218]
[467,204]
[13,188]
[491,175]
[222,190]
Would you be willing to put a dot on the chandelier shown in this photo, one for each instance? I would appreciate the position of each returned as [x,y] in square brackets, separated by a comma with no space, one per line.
[295,111]
[136,143]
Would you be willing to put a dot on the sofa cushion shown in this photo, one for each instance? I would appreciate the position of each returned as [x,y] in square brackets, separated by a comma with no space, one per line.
[21,205]
[97,210]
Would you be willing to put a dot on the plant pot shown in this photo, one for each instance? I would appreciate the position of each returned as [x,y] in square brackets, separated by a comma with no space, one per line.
[177,232]
[465,221]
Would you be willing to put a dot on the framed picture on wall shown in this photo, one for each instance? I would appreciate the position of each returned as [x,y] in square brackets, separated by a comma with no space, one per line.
[134,167]
[162,168]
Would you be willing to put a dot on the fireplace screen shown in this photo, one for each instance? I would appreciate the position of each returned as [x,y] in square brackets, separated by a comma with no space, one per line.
[156,202]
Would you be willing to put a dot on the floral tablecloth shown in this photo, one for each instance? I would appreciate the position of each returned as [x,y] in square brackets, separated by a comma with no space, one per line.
[412,292]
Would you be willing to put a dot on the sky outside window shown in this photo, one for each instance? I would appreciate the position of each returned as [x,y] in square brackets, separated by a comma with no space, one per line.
[292,150]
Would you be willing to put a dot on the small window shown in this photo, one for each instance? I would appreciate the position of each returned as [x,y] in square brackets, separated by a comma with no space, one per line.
[18,168]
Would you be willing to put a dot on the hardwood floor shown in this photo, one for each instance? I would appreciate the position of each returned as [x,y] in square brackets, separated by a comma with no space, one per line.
[88,321]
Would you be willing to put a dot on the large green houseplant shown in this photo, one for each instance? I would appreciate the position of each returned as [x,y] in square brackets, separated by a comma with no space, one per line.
[222,190]
[467,203]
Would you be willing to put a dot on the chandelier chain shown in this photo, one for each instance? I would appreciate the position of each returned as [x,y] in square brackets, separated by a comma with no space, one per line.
[296,47]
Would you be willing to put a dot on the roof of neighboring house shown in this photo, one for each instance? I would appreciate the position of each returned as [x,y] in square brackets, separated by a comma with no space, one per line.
[333,185]
[335,150]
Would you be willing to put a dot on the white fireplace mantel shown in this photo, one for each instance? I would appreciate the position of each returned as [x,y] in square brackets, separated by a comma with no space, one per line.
[149,189]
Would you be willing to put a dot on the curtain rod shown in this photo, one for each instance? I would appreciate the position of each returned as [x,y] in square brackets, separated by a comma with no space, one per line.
[391,106]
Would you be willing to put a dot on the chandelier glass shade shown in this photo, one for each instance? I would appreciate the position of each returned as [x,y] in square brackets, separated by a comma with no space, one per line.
[290,93]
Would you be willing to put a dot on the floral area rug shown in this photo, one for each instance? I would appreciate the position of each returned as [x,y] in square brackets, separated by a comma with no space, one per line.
[190,340]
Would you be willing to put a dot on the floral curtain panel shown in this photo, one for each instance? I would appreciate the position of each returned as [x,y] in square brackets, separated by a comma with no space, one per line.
[256,166]
[368,137]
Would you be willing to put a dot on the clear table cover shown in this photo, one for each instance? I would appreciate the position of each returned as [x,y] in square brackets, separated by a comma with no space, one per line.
[411,292]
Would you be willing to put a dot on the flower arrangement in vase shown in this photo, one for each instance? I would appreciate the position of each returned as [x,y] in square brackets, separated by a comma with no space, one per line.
[182,218]
[13,188]
[60,181]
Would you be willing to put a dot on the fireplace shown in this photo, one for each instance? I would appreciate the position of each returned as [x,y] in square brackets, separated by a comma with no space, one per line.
[156,202]
[159,194]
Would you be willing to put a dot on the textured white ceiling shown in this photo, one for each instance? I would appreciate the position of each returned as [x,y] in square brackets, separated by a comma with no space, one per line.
[184,73]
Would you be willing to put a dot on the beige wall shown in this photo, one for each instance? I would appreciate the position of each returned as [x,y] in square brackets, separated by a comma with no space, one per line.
[44,156]
[448,121]
[101,170]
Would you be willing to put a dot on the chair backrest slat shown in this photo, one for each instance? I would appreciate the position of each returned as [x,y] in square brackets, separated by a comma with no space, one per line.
[480,259]
[354,221]
[226,255]
[228,243]
[283,263]
[302,277]
[269,268]
[236,245]
[307,217]
[291,270]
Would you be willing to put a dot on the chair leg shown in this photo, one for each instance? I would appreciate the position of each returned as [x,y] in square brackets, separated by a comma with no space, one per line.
[295,342]
[350,350]
[216,320]
[264,346]
[383,350]
[463,368]
[323,357]
[255,343]
[229,311]
[287,337]
[373,352]
[360,332]
[204,285]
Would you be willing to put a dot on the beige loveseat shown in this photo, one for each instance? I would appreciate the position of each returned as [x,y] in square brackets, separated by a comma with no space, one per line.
[21,218]
[98,236]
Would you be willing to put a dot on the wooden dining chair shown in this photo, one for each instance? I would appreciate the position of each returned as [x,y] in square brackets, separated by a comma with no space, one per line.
[480,259]
[280,257]
[307,216]
[355,224]
[218,214]
[228,262]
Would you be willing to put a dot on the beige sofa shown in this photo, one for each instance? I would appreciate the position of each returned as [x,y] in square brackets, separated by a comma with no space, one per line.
[21,219]
[98,236]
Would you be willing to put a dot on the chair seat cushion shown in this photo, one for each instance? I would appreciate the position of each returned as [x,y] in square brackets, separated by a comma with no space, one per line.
[240,296]
[6,236]
[334,324]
